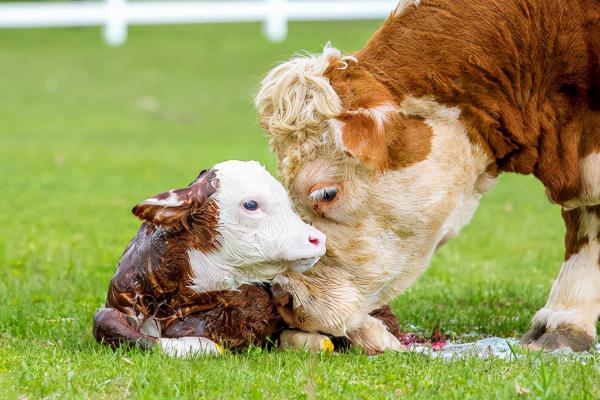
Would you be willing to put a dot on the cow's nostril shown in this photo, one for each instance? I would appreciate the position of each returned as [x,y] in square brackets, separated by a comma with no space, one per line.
[314,240]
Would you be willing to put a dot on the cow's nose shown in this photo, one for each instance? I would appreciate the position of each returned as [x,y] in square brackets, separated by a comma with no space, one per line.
[314,240]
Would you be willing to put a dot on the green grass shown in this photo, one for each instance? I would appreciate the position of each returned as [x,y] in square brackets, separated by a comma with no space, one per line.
[87,131]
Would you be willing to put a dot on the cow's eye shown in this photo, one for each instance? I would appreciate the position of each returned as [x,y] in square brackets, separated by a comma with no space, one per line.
[325,194]
[250,205]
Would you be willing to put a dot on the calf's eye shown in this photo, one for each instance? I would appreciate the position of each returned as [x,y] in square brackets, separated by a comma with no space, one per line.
[250,205]
[324,194]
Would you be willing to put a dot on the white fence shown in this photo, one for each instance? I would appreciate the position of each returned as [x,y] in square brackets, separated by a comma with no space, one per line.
[116,15]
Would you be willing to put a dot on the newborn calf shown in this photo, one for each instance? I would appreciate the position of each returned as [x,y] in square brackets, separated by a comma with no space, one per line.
[190,277]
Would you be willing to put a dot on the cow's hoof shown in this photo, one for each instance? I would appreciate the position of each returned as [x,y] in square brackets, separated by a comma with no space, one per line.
[185,347]
[539,338]
[373,337]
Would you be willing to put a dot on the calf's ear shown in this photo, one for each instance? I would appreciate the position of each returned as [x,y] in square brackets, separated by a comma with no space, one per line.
[172,208]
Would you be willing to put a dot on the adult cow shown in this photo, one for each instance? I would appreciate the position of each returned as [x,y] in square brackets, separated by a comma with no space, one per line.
[388,151]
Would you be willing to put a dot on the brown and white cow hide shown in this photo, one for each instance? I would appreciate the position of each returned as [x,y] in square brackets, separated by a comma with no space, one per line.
[388,150]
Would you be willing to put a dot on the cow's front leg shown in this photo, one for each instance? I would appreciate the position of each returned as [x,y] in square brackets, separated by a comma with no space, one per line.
[372,335]
[569,317]
[334,314]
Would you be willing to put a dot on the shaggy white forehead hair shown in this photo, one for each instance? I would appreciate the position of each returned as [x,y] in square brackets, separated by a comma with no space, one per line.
[295,103]
[239,179]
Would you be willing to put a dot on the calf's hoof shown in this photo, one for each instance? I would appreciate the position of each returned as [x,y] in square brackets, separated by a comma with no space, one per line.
[541,338]
[300,340]
[185,347]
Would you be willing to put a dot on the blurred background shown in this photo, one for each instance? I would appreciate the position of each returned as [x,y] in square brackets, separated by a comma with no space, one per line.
[95,118]
[116,15]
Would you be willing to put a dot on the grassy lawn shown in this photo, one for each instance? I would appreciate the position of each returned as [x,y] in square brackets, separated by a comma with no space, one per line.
[87,131]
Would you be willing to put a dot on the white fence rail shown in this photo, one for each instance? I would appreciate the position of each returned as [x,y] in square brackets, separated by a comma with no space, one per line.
[116,15]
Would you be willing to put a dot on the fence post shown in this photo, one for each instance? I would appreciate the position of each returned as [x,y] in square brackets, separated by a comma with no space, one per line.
[115,29]
[275,26]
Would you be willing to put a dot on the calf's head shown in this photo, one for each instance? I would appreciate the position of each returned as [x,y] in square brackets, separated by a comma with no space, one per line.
[241,224]
[386,176]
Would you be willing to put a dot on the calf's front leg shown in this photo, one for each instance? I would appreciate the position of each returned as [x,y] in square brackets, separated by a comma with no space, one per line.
[569,317]
[115,329]
[308,341]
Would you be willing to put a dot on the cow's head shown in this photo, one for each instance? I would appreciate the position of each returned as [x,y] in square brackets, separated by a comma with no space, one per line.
[239,221]
[386,176]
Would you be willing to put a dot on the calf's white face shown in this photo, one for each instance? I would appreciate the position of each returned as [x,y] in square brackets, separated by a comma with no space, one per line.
[241,226]
[258,230]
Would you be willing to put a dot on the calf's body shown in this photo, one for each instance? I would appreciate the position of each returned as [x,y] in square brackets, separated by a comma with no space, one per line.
[151,297]
[195,266]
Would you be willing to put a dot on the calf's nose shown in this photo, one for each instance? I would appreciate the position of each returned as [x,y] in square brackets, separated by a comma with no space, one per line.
[316,241]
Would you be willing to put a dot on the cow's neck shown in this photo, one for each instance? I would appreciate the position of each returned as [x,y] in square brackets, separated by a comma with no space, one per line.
[461,170]
[459,58]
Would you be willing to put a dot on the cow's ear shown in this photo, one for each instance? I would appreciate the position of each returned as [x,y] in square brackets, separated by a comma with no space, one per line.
[363,135]
[384,139]
[172,208]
